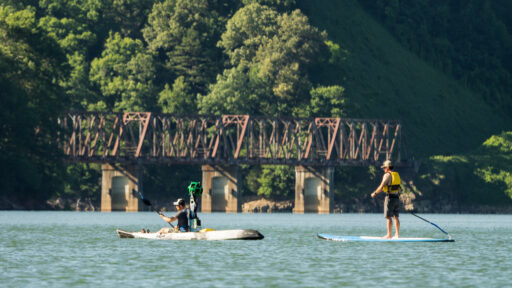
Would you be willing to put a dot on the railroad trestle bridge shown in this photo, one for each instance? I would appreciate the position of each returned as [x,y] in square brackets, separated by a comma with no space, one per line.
[124,141]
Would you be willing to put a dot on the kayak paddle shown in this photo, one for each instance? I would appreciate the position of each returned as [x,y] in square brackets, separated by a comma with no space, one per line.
[148,203]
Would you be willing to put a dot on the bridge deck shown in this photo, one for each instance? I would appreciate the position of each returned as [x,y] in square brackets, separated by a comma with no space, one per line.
[145,137]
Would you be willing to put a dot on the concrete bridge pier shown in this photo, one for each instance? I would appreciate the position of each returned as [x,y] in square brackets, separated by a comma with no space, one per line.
[222,189]
[314,187]
[119,188]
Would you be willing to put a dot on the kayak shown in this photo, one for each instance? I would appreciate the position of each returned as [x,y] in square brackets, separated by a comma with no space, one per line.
[379,239]
[208,234]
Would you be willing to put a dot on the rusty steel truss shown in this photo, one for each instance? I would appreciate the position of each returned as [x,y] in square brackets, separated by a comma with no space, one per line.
[229,139]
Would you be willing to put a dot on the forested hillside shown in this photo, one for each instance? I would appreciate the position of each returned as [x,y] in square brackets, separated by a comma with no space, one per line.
[389,69]
[385,79]
[442,67]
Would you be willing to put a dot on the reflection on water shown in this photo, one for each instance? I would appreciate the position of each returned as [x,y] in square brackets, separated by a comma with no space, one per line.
[78,249]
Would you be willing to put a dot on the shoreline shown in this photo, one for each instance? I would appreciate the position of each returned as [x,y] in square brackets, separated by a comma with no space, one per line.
[262,205]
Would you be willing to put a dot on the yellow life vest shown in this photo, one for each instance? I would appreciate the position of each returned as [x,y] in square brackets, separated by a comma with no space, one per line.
[394,188]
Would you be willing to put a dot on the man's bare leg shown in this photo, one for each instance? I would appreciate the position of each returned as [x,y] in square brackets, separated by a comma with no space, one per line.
[397,227]
[164,230]
[389,225]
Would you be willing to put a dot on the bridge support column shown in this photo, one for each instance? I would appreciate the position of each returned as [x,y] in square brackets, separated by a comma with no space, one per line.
[314,189]
[118,189]
[221,189]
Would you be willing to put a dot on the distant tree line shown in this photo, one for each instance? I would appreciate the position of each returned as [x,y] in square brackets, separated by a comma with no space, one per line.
[207,56]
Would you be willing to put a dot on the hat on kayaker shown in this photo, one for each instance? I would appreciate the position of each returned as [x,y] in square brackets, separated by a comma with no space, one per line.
[179,202]
[386,163]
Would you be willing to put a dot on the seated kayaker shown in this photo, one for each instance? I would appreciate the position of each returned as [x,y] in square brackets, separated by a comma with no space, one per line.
[181,216]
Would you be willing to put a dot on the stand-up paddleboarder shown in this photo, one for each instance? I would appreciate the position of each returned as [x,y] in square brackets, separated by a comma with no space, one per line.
[391,186]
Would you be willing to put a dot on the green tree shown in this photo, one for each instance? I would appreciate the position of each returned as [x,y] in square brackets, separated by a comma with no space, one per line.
[80,27]
[495,167]
[275,51]
[289,54]
[178,99]
[326,101]
[276,182]
[31,65]
[74,38]
[281,5]
[129,16]
[125,74]
[238,90]
[249,29]
[82,181]
[184,34]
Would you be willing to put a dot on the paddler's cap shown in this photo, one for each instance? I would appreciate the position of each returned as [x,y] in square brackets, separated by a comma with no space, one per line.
[386,163]
[179,202]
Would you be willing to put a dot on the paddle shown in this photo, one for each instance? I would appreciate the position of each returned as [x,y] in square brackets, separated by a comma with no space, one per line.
[435,225]
[148,203]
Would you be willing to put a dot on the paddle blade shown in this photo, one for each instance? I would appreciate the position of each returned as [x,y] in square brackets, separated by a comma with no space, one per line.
[146,202]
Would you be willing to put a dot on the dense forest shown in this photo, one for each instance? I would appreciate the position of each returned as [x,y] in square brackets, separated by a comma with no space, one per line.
[442,67]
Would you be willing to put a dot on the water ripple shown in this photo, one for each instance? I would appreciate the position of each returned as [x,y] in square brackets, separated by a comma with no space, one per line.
[70,249]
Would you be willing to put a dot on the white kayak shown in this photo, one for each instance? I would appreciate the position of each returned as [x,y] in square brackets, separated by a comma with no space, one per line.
[247,234]
[378,239]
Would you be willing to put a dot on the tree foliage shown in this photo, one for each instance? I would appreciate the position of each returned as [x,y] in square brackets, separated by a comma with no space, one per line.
[184,34]
[31,65]
[125,74]
[254,57]
[470,40]
[276,182]
[238,90]
[116,55]
[281,5]
[269,55]
[129,16]
[327,101]
[495,169]
[179,99]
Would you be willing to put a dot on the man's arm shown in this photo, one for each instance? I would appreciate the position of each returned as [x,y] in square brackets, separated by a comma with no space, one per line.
[385,180]
[167,219]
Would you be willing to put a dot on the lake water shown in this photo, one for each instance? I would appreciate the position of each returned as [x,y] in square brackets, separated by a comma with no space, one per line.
[81,249]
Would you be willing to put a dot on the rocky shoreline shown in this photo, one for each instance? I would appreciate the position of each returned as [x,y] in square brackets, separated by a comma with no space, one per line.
[267,206]
[78,204]
[262,205]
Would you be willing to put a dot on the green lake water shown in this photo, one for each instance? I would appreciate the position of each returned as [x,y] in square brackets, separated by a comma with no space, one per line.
[80,249]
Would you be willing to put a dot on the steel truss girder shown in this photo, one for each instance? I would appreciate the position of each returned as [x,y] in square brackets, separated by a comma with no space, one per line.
[228,139]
